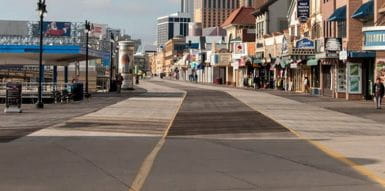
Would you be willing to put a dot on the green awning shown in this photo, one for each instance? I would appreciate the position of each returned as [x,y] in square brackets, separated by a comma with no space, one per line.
[312,62]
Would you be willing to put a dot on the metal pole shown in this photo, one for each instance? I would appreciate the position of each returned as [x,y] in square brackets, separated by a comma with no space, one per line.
[87,64]
[111,65]
[40,104]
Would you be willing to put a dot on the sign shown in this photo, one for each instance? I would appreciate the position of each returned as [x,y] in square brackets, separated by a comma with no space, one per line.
[354,78]
[344,55]
[303,10]
[13,98]
[333,44]
[374,38]
[305,43]
[224,59]
[99,31]
[53,29]
[240,48]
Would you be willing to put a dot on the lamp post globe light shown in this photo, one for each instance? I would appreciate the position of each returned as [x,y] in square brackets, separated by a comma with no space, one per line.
[42,10]
[88,28]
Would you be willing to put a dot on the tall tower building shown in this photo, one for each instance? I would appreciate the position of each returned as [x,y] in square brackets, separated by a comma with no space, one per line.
[212,13]
[171,26]
[187,6]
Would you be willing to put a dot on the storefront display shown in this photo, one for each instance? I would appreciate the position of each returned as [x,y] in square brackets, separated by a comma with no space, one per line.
[341,78]
[354,78]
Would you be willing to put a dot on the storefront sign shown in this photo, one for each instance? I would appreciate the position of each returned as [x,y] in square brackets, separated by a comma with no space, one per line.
[305,43]
[333,44]
[303,10]
[374,38]
[354,78]
[53,29]
[344,55]
[224,59]
[13,98]
[240,48]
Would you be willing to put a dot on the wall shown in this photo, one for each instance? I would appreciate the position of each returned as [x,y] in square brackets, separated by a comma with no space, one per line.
[278,16]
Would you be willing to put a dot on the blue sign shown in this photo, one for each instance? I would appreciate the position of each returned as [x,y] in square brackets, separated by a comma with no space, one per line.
[305,43]
[303,10]
[374,40]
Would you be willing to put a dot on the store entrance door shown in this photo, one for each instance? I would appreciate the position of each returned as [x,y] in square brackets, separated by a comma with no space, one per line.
[327,80]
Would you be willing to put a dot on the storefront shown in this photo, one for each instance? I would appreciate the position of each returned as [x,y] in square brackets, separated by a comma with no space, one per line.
[360,75]
[222,71]
[302,65]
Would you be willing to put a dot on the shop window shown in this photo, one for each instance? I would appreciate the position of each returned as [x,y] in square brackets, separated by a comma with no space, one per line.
[341,29]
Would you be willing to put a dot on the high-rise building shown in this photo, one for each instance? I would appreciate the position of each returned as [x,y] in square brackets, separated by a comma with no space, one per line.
[172,26]
[212,13]
[187,6]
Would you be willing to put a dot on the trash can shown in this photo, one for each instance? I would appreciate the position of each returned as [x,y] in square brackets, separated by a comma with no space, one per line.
[77,91]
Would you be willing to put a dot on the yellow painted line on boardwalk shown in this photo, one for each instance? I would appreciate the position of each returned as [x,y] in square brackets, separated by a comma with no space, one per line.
[340,157]
[330,152]
[148,163]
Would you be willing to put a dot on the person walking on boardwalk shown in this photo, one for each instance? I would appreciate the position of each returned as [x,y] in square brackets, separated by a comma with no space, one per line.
[378,91]
[119,82]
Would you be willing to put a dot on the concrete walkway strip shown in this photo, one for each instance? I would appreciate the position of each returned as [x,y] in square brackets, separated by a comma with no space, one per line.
[148,163]
[143,115]
[337,134]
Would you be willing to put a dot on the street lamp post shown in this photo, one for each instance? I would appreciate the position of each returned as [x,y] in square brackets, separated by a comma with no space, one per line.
[112,61]
[42,10]
[88,28]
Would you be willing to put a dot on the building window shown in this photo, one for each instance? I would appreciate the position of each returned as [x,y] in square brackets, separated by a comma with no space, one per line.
[341,29]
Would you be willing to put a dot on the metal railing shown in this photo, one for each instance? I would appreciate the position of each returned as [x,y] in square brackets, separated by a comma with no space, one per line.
[30,89]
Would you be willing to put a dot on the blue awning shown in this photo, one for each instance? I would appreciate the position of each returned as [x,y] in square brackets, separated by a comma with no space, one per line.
[365,12]
[362,54]
[339,14]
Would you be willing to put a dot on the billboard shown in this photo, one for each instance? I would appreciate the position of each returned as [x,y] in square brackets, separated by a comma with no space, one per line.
[98,31]
[53,29]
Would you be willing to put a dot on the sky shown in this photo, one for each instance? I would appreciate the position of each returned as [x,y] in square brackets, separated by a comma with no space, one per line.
[136,17]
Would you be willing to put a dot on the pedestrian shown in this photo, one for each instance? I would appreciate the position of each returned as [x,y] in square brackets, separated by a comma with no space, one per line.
[119,82]
[378,91]
[306,85]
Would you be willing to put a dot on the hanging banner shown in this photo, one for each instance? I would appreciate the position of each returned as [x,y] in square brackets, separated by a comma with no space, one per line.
[303,10]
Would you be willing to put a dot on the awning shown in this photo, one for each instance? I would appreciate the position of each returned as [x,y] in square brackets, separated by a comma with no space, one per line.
[312,62]
[361,54]
[365,12]
[339,14]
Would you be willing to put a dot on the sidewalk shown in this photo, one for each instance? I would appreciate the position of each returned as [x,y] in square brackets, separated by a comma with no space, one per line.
[359,139]
[145,114]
